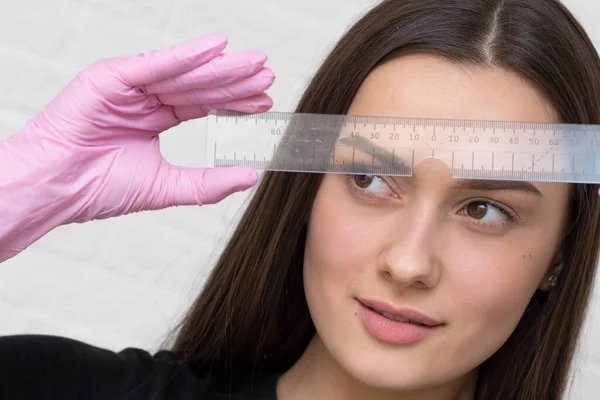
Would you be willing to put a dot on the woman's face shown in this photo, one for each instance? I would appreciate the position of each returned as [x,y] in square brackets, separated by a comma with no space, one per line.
[468,257]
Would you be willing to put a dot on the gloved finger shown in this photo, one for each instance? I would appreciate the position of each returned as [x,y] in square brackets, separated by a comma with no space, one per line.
[222,70]
[248,87]
[251,105]
[180,186]
[157,65]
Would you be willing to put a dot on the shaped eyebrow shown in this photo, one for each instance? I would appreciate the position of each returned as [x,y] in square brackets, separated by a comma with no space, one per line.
[482,184]
[378,152]
[387,158]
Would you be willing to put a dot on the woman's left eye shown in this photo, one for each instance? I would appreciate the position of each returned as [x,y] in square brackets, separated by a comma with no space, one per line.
[371,184]
[486,212]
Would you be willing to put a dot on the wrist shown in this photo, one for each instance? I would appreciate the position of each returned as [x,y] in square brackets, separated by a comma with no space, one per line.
[32,200]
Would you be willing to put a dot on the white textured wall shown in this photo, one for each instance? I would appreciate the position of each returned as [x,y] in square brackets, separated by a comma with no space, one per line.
[124,282]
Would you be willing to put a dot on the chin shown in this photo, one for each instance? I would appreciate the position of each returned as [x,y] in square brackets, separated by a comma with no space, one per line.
[386,375]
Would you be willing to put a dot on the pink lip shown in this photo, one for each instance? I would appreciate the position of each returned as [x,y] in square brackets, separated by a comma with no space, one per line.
[392,331]
[408,313]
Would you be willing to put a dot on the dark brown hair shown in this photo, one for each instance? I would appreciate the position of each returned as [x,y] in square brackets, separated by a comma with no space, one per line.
[252,313]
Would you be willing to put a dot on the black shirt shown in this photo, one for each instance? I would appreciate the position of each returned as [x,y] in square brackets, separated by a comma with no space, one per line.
[37,367]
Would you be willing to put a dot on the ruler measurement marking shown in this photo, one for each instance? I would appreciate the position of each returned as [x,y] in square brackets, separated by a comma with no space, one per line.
[583,163]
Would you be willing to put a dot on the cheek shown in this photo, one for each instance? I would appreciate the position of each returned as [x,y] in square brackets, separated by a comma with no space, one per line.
[341,247]
[489,292]
[493,288]
[337,244]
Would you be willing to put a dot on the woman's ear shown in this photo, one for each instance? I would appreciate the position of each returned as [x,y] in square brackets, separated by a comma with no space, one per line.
[550,279]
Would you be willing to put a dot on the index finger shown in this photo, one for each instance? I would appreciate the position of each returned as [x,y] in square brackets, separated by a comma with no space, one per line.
[156,65]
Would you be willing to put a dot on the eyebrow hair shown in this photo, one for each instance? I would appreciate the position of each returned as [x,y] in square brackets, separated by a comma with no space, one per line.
[387,157]
[482,184]
[380,153]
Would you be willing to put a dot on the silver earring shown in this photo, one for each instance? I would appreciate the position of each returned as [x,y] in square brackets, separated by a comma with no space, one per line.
[552,281]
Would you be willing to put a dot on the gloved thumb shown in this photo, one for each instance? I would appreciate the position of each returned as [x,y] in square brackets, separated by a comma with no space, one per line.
[181,186]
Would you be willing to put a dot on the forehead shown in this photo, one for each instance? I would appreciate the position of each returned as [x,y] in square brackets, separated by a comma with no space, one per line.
[428,86]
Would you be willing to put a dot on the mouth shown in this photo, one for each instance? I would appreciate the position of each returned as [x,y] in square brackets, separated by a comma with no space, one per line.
[399,314]
[400,326]
[397,318]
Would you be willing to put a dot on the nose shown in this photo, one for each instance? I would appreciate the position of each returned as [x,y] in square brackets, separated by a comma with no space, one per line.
[409,258]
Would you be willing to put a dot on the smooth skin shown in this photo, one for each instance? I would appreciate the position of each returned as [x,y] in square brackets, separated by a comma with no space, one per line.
[469,258]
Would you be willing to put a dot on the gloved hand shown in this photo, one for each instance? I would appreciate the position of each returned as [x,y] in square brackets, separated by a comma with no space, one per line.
[93,151]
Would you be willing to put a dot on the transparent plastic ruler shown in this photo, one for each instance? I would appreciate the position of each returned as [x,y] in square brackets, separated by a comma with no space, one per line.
[279,141]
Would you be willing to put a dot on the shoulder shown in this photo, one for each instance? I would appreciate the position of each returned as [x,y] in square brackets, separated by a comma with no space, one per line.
[39,366]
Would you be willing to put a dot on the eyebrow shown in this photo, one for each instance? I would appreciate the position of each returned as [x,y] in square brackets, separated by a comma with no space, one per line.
[380,153]
[388,157]
[481,184]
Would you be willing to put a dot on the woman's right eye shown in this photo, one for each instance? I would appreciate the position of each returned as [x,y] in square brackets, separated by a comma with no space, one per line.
[372,185]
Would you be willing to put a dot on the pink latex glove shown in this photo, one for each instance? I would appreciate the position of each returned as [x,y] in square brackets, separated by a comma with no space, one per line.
[93,151]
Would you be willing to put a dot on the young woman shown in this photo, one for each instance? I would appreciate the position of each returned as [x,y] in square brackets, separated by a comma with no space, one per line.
[373,287]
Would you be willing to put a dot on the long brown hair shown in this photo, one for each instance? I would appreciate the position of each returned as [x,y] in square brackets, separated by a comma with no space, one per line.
[252,313]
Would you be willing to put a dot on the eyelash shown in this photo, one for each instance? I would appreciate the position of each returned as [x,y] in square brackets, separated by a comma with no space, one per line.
[351,182]
[511,217]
